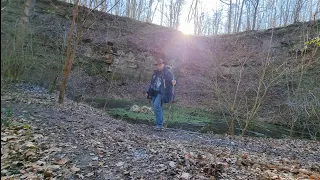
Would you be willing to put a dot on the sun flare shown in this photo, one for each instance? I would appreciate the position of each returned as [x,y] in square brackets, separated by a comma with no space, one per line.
[186,28]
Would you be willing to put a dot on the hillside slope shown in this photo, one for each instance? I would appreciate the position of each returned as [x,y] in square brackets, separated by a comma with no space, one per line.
[234,62]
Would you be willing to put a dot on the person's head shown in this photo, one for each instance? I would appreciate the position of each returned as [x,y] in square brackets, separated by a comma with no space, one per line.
[160,64]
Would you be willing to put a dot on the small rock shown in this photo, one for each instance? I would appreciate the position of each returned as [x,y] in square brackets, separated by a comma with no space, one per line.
[185,175]
[30,145]
[150,171]
[48,174]
[80,176]
[153,151]
[95,158]
[135,108]
[90,174]
[8,138]
[29,153]
[172,164]
[54,167]
[41,163]
[62,161]
[4,172]
[75,169]
[120,164]
[162,169]
[145,109]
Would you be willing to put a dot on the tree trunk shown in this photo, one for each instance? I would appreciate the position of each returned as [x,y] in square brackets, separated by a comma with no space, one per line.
[248,18]
[139,10]
[116,9]
[310,16]
[274,21]
[162,7]
[69,56]
[229,17]
[128,8]
[287,12]
[297,11]
[317,10]
[154,12]
[149,10]
[281,14]
[195,18]
[26,11]
[235,17]
[21,30]
[255,15]
[133,9]
[176,14]
[232,127]
[240,16]
[171,14]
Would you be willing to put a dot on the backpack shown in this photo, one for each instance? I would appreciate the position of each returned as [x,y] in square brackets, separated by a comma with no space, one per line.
[167,94]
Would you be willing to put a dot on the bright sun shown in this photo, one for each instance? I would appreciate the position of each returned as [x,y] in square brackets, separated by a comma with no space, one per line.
[186,28]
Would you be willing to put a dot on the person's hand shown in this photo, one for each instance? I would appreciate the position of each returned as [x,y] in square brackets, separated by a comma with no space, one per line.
[174,82]
[146,94]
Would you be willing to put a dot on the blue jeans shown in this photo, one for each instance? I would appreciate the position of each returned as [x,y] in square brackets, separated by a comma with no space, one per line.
[158,111]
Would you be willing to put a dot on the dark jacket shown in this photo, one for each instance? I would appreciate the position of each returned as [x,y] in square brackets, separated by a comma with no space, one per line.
[166,85]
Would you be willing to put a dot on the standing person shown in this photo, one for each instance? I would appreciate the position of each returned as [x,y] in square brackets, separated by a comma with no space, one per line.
[160,91]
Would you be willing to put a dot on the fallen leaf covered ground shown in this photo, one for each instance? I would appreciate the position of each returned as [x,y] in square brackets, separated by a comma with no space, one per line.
[46,140]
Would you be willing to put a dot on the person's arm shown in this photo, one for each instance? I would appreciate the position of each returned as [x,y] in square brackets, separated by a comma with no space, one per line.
[148,93]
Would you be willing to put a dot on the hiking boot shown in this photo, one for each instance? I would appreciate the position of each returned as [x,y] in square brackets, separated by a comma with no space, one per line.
[158,128]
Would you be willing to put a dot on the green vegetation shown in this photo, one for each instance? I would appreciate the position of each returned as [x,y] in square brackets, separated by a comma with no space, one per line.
[183,118]
[120,108]
[8,121]
[6,115]
[178,115]
[315,41]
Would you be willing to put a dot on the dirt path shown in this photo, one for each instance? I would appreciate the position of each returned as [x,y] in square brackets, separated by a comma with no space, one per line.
[105,148]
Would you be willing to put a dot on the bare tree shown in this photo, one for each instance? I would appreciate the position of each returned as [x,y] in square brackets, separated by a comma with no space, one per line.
[236,14]
[162,12]
[154,12]
[24,21]
[229,14]
[287,12]
[116,9]
[177,12]
[317,11]
[140,5]
[297,10]
[128,3]
[255,4]
[171,14]
[149,12]
[133,9]
[70,54]
[240,15]
[216,21]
